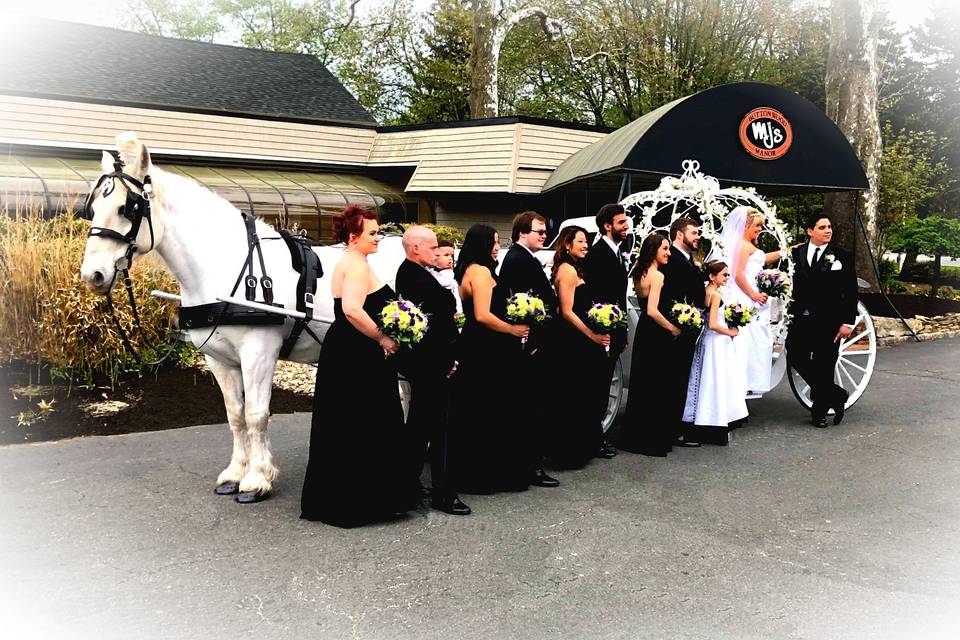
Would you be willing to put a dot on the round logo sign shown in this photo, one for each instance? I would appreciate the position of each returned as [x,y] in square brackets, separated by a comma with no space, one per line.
[766,133]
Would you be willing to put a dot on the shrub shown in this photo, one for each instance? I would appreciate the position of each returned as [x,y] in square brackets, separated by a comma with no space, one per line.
[888,268]
[52,319]
[892,285]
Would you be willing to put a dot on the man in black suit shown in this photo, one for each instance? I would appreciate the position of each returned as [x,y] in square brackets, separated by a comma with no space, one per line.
[824,309]
[682,282]
[605,272]
[431,363]
[521,272]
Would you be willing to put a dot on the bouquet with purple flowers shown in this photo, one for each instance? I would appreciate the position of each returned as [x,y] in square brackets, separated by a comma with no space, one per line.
[526,308]
[605,319]
[738,315]
[404,322]
[773,282]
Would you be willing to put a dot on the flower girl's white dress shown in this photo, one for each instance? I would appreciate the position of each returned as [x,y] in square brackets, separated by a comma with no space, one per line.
[718,385]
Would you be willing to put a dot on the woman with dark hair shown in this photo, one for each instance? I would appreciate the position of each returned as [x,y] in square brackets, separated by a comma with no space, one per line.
[577,433]
[488,433]
[649,428]
[356,406]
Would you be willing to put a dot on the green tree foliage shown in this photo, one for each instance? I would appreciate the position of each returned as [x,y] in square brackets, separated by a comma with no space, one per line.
[931,236]
[910,176]
[173,18]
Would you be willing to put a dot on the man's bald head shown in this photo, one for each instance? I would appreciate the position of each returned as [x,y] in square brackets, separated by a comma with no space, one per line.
[420,244]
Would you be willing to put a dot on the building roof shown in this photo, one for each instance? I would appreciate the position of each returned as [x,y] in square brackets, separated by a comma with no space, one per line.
[53,59]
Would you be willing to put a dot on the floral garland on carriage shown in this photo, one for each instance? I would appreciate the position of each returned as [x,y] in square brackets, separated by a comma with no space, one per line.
[696,195]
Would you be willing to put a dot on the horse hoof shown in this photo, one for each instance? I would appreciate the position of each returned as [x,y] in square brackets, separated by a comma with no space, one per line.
[227,488]
[249,497]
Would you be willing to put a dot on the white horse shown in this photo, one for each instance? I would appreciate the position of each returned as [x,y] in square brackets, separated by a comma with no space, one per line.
[203,241]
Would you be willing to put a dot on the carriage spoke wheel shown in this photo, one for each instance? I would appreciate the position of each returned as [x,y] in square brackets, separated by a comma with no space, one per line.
[855,363]
[614,398]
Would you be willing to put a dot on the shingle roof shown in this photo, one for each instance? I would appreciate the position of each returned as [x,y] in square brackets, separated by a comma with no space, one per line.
[61,59]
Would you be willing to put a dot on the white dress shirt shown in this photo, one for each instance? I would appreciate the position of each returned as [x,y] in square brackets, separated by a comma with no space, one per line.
[811,248]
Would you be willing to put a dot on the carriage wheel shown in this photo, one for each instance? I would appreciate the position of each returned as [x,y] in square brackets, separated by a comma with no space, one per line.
[854,364]
[614,398]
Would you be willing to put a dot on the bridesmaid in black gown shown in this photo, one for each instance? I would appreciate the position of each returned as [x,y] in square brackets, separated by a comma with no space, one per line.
[577,431]
[488,429]
[359,468]
[648,428]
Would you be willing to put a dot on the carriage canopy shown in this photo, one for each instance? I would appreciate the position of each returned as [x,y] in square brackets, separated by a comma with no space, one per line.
[748,134]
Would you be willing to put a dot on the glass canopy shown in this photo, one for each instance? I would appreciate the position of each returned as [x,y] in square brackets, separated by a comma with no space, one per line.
[297,199]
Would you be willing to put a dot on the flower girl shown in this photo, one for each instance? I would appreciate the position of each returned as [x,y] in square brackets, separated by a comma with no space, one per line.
[718,382]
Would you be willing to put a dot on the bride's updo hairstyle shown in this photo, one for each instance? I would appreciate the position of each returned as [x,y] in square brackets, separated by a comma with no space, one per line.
[350,221]
[753,214]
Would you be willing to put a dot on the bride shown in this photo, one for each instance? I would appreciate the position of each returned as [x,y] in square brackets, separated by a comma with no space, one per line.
[737,248]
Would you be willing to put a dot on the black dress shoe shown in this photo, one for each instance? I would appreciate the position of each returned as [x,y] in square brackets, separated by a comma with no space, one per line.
[820,422]
[841,407]
[606,451]
[452,505]
[541,479]
[681,442]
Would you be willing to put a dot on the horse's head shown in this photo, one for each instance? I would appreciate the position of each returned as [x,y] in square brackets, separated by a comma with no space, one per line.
[120,209]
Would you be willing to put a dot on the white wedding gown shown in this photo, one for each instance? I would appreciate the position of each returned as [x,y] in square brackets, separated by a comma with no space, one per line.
[755,341]
[718,386]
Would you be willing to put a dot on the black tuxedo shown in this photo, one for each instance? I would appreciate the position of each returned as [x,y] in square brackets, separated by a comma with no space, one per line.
[824,298]
[682,282]
[606,276]
[426,366]
[522,272]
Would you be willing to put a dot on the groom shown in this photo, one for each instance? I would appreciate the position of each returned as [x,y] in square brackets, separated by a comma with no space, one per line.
[682,282]
[824,309]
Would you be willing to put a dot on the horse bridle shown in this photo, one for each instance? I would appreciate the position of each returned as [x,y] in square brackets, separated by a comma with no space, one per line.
[136,208]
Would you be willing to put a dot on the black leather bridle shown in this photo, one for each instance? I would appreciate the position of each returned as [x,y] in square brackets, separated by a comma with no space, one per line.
[136,209]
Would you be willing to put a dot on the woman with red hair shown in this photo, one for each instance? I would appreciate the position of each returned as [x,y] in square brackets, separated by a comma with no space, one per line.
[356,406]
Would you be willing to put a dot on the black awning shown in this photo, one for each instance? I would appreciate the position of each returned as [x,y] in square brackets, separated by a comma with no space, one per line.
[795,147]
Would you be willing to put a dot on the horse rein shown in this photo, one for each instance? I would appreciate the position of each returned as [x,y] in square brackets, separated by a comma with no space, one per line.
[135,209]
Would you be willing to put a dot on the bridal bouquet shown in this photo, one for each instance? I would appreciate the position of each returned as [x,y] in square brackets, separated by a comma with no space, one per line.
[738,315]
[404,322]
[526,308]
[773,282]
[687,317]
[605,319]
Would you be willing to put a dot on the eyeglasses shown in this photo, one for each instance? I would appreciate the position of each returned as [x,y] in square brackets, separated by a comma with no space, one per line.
[539,232]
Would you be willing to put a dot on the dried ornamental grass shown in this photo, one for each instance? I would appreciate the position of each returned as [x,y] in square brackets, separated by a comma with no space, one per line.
[50,317]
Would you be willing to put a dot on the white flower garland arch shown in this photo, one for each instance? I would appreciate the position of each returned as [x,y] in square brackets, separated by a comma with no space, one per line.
[699,196]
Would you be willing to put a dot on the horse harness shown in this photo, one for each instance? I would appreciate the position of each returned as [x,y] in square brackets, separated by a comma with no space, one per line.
[136,209]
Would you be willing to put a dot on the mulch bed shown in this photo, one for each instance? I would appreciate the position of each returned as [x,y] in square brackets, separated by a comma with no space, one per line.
[908,305]
[166,399]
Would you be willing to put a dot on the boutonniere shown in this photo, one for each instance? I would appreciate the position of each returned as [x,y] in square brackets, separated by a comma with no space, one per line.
[831,261]
[829,258]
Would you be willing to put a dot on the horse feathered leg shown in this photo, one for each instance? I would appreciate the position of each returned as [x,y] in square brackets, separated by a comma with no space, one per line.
[230,380]
[258,369]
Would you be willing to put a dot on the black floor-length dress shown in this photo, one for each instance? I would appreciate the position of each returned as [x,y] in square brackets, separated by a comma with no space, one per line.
[579,400]
[490,432]
[650,426]
[359,470]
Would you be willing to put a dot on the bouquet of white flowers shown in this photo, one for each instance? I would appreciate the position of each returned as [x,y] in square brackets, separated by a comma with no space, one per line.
[526,308]
[404,322]
[605,319]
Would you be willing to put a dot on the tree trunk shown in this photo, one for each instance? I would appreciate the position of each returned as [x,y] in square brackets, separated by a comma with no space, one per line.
[935,276]
[852,79]
[484,59]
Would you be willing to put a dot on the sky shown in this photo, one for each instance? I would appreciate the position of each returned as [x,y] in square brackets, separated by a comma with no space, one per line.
[906,13]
